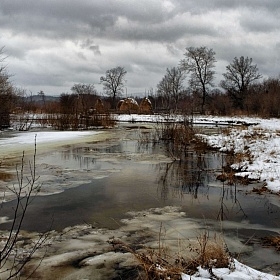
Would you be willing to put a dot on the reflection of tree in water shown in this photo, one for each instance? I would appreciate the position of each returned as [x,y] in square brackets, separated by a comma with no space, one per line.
[191,174]
[188,175]
[229,193]
[78,155]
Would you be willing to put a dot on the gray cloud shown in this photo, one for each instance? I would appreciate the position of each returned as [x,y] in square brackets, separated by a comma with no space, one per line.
[260,21]
[95,49]
[53,44]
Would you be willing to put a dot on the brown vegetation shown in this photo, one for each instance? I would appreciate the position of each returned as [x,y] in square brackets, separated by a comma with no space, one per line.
[99,106]
[13,258]
[272,241]
[162,264]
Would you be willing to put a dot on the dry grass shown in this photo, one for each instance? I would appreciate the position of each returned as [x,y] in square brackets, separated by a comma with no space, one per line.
[104,120]
[177,136]
[161,264]
[211,252]
[272,241]
[5,176]
[228,175]
[74,122]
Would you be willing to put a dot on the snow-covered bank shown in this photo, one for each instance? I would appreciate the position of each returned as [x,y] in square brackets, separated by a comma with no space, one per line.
[260,145]
[201,120]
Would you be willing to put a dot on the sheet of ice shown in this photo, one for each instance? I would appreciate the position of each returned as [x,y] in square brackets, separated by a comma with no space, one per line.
[43,137]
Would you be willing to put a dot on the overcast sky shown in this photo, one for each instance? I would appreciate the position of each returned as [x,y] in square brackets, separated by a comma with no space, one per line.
[53,44]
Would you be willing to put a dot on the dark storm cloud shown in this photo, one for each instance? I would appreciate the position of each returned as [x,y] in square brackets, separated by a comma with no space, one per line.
[95,49]
[224,5]
[66,41]
[140,20]
[89,44]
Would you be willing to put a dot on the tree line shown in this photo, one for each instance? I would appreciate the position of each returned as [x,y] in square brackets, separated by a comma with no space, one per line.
[188,88]
[198,67]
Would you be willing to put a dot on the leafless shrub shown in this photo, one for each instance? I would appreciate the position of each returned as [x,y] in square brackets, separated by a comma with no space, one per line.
[12,256]
[177,135]
[74,122]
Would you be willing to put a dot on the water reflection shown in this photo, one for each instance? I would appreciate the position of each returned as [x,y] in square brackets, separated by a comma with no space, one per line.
[192,178]
[229,194]
[188,181]
[78,157]
[190,174]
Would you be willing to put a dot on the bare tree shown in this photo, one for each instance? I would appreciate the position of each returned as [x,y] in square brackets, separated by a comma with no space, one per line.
[171,86]
[69,114]
[67,103]
[86,94]
[239,76]
[113,82]
[199,63]
[6,92]
[163,90]
[42,95]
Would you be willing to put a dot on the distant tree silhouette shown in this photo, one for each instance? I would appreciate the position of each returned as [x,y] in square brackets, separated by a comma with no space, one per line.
[171,86]
[113,83]
[241,73]
[199,63]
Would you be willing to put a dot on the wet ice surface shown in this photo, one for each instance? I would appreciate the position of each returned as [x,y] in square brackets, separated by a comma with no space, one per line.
[98,183]
[83,251]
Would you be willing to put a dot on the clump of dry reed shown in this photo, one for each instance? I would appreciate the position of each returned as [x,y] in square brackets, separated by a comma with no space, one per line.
[210,252]
[159,264]
[272,241]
